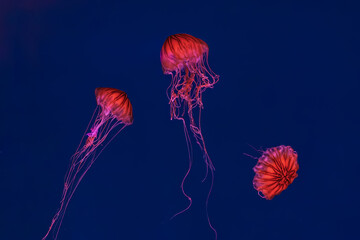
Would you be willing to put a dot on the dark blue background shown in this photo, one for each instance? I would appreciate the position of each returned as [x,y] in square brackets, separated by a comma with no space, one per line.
[289,74]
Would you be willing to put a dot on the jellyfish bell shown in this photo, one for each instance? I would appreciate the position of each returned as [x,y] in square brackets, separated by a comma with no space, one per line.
[114,109]
[116,102]
[182,50]
[275,170]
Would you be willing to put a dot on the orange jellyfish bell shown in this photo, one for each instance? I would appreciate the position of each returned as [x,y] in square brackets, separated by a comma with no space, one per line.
[275,171]
[116,102]
[180,50]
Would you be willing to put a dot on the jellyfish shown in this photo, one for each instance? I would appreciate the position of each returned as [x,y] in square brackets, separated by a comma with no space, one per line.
[275,171]
[114,109]
[185,58]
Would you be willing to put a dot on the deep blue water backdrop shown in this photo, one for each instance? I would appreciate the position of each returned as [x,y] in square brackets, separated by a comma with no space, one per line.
[289,75]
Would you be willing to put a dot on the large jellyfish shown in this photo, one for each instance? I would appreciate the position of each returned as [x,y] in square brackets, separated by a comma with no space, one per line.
[185,58]
[114,109]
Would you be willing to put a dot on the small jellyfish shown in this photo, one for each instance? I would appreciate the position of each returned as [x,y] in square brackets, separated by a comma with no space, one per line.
[114,109]
[275,171]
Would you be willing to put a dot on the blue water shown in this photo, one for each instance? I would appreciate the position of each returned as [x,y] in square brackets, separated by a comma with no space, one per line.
[289,75]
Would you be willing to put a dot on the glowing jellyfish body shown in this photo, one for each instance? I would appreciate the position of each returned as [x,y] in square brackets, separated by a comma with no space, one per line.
[185,58]
[275,171]
[114,109]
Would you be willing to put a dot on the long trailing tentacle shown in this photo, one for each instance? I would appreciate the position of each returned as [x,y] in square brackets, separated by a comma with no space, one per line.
[190,153]
[80,163]
[209,165]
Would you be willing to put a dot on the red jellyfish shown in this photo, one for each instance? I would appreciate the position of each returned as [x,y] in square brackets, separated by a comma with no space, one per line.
[275,171]
[185,58]
[114,109]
